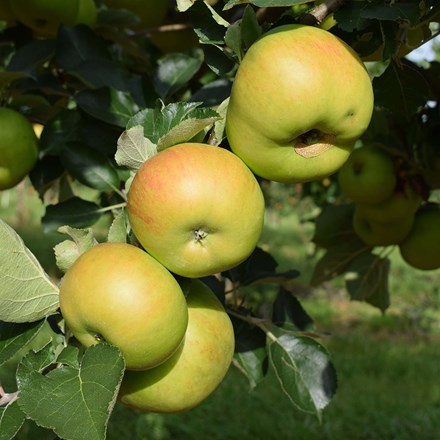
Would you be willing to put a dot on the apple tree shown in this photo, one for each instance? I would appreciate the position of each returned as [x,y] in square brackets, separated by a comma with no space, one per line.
[114,88]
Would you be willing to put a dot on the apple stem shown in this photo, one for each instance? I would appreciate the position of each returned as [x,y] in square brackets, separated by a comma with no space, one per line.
[7,398]
[318,13]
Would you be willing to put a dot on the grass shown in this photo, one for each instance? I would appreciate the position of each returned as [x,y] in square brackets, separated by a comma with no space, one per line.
[387,364]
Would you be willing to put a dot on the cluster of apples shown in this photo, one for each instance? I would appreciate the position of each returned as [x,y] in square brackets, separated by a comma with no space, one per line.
[384,205]
[197,210]
[388,210]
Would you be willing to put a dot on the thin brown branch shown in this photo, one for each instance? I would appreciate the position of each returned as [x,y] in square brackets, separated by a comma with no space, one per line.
[318,13]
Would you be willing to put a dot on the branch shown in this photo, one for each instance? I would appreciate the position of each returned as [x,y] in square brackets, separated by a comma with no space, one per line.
[318,13]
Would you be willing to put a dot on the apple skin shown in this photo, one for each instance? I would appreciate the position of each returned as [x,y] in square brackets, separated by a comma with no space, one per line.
[368,176]
[381,234]
[118,293]
[196,208]
[45,16]
[151,13]
[421,248]
[18,148]
[195,370]
[87,13]
[401,204]
[300,99]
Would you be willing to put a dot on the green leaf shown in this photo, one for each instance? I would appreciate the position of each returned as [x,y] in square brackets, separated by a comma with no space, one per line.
[250,351]
[109,105]
[30,57]
[174,71]
[14,336]
[78,44]
[134,148]
[208,25]
[250,28]
[74,402]
[402,88]
[89,167]
[11,420]
[219,126]
[75,212]
[176,123]
[233,39]
[367,280]
[303,369]
[216,59]
[27,293]
[350,17]
[117,232]
[67,252]
[7,77]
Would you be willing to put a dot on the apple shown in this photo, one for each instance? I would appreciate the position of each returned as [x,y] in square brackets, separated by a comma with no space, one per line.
[18,148]
[421,248]
[402,203]
[368,176]
[196,208]
[195,370]
[116,292]
[45,16]
[381,234]
[87,13]
[300,100]
[151,13]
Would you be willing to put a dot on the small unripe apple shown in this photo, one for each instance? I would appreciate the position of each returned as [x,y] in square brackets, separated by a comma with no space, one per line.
[196,208]
[368,176]
[400,204]
[195,370]
[116,292]
[381,234]
[18,147]
[300,100]
[421,248]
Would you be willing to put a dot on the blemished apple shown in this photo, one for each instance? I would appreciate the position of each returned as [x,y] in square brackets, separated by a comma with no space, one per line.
[116,292]
[368,176]
[300,100]
[401,203]
[381,234]
[18,147]
[196,208]
[421,248]
[195,370]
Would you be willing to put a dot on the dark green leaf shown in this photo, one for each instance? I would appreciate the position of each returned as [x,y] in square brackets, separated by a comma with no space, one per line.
[74,402]
[174,71]
[304,371]
[90,167]
[108,105]
[11,420]
[394,11]
[32,55]
[205,26]
[250,28]
[233,39]
[250,351]
[13,337]
[402,89]
[367,280]
[78,44]
[218,61]
[74,212]
[60,130]
[287,309]
[213,93]
[349,17]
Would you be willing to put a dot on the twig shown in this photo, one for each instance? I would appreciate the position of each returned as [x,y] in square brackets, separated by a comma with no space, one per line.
[7,398]
[318,13]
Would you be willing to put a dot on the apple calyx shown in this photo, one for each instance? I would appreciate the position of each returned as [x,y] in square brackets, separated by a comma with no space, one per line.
[98,337]
[313,143]
[200,235]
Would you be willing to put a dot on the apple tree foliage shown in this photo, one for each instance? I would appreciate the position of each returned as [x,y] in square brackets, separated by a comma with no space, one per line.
[107,97]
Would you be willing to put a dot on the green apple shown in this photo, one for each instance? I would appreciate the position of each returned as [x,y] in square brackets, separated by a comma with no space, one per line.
[195,370]
[300,100]
[421,248]
[151,13]
[368,176]
[381,234]
[18,148]
[116,292]
[196,208]
[400,204]
[87,13]
[45,16]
